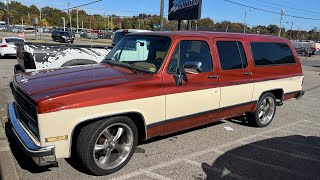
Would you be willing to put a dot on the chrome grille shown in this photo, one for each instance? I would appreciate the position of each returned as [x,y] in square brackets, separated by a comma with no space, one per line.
[26,110]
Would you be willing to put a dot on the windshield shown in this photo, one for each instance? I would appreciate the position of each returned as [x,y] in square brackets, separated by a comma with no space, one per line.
[118,36]
[66,34]
[144,53]
[14,40]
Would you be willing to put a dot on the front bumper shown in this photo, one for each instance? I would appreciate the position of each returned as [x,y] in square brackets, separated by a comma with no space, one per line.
[41,155]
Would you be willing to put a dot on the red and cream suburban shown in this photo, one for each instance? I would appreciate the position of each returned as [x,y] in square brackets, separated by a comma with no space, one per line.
[150,84]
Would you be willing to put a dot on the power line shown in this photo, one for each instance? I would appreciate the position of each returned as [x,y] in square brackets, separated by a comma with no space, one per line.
[288,7]
[272,12]
[75,7]
[272,5]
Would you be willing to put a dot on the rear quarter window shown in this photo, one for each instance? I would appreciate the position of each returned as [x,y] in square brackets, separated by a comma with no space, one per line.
[269,53]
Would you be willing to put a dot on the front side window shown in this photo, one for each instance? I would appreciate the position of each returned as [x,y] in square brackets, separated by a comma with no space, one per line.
[188,50]
[145,53]
[267,53]
[232,55]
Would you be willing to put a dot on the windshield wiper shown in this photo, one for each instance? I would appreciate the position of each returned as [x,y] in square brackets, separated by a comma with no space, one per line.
[112,63]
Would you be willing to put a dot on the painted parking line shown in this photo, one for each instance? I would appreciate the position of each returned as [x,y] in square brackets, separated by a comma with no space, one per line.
[156,176]
[214,149]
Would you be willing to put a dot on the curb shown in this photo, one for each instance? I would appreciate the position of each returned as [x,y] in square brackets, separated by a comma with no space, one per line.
[8,169]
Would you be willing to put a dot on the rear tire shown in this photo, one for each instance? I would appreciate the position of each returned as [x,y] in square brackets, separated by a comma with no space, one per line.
[106,146]
[265,111]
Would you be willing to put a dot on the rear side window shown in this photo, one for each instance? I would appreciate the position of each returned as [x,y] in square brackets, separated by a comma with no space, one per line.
[265,53]
[232,55]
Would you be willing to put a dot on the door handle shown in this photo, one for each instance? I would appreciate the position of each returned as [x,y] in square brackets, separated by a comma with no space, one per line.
[213,77]
[247,73]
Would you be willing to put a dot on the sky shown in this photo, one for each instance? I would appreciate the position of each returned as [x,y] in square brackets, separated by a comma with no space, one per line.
[218,10]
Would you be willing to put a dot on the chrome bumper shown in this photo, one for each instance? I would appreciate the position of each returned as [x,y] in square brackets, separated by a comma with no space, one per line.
[41,155]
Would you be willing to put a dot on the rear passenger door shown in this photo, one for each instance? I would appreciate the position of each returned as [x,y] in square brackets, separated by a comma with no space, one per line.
[234,73]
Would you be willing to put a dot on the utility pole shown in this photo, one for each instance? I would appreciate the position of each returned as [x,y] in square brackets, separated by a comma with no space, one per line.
[281,17]
[244,21]
[161,14]
[8,19]
[82,24]
[22,22]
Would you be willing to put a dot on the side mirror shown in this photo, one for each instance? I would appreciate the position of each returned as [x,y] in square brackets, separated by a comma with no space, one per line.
[193,67]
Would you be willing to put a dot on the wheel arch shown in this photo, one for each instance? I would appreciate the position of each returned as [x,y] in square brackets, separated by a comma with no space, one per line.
[278,94]
[136,117]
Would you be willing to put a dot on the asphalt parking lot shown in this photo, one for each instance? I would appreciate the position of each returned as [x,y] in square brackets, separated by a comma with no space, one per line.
[287,149]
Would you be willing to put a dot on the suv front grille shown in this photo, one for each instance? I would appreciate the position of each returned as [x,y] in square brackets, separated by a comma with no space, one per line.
[26,110]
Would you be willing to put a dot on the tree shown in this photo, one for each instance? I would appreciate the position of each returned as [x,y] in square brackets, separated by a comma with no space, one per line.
[206,22]
[273,29]
[44,22]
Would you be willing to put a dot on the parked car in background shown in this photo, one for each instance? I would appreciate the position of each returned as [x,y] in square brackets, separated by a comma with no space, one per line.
[302,51]
[175,81]
[29,30]
[7,46]
[40,56]
[119,34]
[62,36]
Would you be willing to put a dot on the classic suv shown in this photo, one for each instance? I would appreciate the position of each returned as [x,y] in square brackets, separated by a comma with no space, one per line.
[150,84]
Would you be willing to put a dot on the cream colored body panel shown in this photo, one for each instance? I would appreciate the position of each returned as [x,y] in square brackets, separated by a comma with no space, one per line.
[183,104]
[63,122]
[157,109]
[238,94]
[288,85]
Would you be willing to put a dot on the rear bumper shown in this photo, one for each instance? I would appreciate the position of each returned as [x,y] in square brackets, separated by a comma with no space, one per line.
[41,155]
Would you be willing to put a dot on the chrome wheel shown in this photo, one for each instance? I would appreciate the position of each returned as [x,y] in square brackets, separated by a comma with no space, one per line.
[113,146]
[266,110]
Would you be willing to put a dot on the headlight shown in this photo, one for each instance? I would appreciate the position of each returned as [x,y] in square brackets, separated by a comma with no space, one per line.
[63,37]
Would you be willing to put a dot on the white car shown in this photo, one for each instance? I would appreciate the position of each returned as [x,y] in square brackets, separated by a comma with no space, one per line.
[7,47]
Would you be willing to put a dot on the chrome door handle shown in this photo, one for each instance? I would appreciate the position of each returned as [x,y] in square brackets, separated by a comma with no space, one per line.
[213,77]
[247,73]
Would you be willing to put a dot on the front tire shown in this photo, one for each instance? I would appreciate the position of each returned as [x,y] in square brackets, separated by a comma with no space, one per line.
[265,111]
[106,146]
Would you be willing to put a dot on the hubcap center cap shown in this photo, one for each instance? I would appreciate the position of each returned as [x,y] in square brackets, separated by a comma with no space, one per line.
[112,145]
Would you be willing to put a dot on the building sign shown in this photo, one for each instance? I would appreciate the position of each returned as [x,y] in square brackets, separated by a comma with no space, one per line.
[184,9]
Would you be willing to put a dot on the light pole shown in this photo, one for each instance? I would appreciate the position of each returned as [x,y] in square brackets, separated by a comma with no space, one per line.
[77,21]
[64,23]
[8,19]
[161,14]
[244,20]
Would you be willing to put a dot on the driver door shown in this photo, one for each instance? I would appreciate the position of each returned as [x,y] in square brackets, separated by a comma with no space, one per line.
[194,102]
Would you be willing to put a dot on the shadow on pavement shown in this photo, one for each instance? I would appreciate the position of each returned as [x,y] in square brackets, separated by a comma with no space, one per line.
[291,157]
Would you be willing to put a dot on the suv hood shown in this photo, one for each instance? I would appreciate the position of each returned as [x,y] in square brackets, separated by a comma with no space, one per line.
[48,83]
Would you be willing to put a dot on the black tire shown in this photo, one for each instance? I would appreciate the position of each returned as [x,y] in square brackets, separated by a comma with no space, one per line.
[61,40]
[90,134]
[303,53]
[254,117]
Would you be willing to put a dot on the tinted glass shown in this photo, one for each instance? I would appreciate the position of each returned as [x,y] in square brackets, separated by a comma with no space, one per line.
[191,51]
[265,53]
[118,36]
[232,55]
[14,40]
